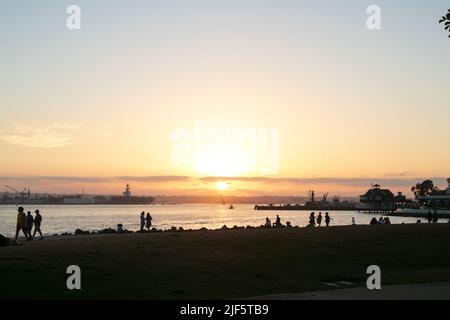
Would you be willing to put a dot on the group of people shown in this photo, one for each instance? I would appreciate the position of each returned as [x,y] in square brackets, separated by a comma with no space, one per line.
[382,220]
[433,217]
[313,220]
[25,223]
[146,221]
[277,222]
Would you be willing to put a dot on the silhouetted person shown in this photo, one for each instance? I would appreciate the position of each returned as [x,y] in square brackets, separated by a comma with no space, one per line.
[353,221]
[381,220]
[268,223]
[374,221]
[142,220]
[387,220]
[435,217]
[30,222]
[327,219]
[312,219]
[21,223]
[319,219]
[430,217]
[278,221]
[37,224]
[148,221]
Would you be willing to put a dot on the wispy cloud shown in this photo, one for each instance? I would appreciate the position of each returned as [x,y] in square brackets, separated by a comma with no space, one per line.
[55,135]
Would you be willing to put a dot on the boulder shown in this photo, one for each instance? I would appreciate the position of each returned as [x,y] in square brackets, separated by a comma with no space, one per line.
[106,231]
[4,241]
[79,231]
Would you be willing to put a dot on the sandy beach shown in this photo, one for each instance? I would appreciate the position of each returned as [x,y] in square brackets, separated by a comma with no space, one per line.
[225,264]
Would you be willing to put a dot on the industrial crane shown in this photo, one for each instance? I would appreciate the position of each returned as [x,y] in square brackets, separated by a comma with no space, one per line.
[22,194]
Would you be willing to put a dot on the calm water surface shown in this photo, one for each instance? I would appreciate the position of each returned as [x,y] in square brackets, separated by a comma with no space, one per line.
[59,219]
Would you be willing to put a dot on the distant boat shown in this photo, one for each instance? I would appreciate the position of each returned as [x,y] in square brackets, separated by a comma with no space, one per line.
[231,207]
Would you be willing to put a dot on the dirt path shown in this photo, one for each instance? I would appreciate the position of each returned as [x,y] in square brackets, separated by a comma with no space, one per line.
[423,291]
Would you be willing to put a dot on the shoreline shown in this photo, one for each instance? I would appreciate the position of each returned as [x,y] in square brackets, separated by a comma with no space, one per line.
[225,228]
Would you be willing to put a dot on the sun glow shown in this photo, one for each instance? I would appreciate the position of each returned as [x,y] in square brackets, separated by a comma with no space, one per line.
[222,185]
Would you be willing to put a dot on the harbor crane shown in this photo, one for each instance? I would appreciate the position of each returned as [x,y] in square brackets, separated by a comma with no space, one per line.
[22,194]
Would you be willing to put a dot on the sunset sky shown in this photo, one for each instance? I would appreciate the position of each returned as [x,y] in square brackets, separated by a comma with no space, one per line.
[100,107]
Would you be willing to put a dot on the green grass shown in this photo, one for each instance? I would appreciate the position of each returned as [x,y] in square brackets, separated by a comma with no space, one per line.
[224,264]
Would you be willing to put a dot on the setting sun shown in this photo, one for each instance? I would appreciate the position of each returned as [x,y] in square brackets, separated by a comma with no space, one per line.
[222,185]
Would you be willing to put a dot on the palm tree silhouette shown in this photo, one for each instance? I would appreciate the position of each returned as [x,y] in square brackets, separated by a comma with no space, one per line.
[446,21]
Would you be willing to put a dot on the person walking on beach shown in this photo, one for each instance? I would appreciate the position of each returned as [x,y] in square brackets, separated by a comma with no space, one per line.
[142,220]
[268,223]
[30,222]
[327,219]
[319,219]
[21,223]
[37,224]
[430,217]
[148,221]
[312,219]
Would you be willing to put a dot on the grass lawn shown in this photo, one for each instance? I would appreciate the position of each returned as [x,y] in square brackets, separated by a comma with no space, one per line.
[224,264]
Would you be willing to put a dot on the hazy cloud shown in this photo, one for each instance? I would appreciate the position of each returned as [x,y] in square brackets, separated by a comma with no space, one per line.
[351,182]
[324,180]
[122,179]
[55,135]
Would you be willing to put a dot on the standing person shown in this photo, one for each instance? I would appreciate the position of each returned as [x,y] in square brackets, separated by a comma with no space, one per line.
[21,223]
[268,223]
[278,221]
[435,217]
[30,222]
[142,220]
[319,219]
[148,221]
[312,219]
[327,219]
[430,217]
[353,221]
[37,224]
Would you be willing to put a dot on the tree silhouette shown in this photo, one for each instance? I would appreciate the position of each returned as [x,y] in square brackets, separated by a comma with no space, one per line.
[423,189]
[446,21]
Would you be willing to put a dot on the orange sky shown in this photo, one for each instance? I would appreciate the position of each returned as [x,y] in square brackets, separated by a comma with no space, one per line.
[223,90]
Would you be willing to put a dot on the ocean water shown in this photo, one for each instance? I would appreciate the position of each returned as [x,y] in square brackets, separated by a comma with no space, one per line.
[59,219]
